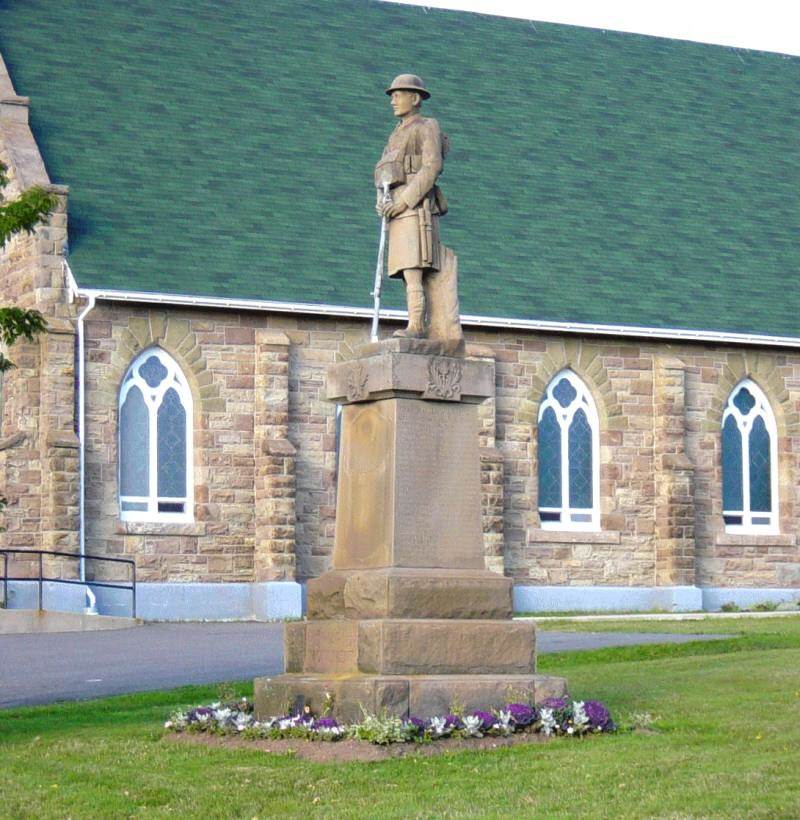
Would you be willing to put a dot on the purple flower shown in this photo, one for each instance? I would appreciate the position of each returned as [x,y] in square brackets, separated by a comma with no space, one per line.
[555,703]
[200,713]
[487,719]
[521,713]
[598,714]
[418,724]
[326,723]
[453,722]
[305,715]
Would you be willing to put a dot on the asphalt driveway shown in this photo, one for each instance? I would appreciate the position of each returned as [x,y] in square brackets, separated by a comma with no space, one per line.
[43,668]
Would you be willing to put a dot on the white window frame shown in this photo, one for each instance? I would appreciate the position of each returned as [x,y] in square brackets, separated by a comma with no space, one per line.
[153,398]
[583,400]
[763,409]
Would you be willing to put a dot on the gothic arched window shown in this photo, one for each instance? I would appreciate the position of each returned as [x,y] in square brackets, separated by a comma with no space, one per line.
[155,440]
[749,461]
[568,456]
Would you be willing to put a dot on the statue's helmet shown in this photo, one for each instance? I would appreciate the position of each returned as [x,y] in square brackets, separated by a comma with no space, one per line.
[409,82]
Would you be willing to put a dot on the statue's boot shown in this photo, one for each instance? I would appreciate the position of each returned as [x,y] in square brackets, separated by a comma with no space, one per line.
[416,315]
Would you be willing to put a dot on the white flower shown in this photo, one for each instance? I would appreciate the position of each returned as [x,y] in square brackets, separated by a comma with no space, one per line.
[215,705]
[473,724]
[547,720]
[570,731]
[579,716]
[221,715]
[204,717]
[506,724]
[168,724]
[439,727]
[243,720]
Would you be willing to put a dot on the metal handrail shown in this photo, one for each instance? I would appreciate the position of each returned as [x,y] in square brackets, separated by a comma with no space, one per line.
[77,556]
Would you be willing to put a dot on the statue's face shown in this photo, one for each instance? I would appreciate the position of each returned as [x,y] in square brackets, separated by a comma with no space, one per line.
[404,102]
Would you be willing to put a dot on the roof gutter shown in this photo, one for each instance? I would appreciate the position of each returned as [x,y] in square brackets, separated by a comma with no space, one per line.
[343,311]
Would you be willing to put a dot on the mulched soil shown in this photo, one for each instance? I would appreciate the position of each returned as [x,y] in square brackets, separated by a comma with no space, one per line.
[347,751]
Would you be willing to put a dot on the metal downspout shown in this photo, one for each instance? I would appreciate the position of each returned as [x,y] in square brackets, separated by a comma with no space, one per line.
[91,299]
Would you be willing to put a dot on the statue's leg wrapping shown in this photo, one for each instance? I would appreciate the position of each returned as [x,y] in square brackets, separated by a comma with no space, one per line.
[415,297]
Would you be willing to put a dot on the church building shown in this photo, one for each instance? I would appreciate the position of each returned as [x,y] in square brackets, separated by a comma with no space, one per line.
[624,209]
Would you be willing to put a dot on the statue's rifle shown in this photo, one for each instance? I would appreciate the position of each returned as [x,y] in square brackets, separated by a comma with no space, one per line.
[376,287]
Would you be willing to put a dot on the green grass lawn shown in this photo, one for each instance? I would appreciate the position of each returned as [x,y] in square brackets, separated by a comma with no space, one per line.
[727,716]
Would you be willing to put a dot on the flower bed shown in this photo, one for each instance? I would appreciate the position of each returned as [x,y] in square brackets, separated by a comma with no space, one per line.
[555,716]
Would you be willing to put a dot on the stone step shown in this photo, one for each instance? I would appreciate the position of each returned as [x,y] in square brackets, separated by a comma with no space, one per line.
[411,647]
[410,593]
[423,696]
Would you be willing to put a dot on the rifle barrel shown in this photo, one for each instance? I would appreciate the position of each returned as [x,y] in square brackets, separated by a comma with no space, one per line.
[376,287]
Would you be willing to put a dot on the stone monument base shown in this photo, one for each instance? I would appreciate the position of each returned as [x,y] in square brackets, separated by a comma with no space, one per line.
[397,592]
[408,620]
[423,696]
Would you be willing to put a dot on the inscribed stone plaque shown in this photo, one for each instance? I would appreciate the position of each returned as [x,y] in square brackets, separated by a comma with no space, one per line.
[437,486]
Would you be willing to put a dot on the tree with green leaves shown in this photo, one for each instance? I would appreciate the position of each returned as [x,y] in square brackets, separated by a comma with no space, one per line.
[21,214]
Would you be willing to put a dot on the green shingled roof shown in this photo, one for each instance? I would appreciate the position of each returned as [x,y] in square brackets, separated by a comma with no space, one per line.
[226,149]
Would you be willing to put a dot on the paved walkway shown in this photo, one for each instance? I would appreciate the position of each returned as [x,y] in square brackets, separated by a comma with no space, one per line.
[77,665]
[43,668]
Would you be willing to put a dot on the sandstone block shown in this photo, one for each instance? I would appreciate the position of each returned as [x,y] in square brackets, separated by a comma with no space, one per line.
[409,486]
[422,696]
[322,646]
[409,593]
[408,646]
[442,647]
[387,370]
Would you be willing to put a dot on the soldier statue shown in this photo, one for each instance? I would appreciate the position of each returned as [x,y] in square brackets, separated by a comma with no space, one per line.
[411,164]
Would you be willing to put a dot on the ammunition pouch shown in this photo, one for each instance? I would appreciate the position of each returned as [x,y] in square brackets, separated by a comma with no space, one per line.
[395,169]
[391,169]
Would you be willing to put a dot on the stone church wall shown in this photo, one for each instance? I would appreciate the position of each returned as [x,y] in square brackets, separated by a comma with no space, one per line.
[38,444]
[266,512]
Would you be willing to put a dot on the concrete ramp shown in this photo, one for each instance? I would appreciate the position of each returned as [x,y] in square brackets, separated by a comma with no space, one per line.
[24,621]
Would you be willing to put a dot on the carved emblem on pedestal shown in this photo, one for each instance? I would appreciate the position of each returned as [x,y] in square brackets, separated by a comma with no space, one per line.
[444,379]
[357,378]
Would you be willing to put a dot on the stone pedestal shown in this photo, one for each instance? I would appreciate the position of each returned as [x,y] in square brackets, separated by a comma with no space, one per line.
[408,619]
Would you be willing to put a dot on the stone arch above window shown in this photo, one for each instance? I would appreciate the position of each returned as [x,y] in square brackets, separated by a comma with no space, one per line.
[155,440]
[568,455]
[749,461]
[174,334]
[586,361]
[761,368]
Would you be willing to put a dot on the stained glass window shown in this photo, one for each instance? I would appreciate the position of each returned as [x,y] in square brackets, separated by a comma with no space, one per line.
[564,392]
[155,440]
[568,455]
[152,371]
[580,461]
[732,498]
[759,467]
[549,460]
[749,461]
[135,431]
[171,421]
